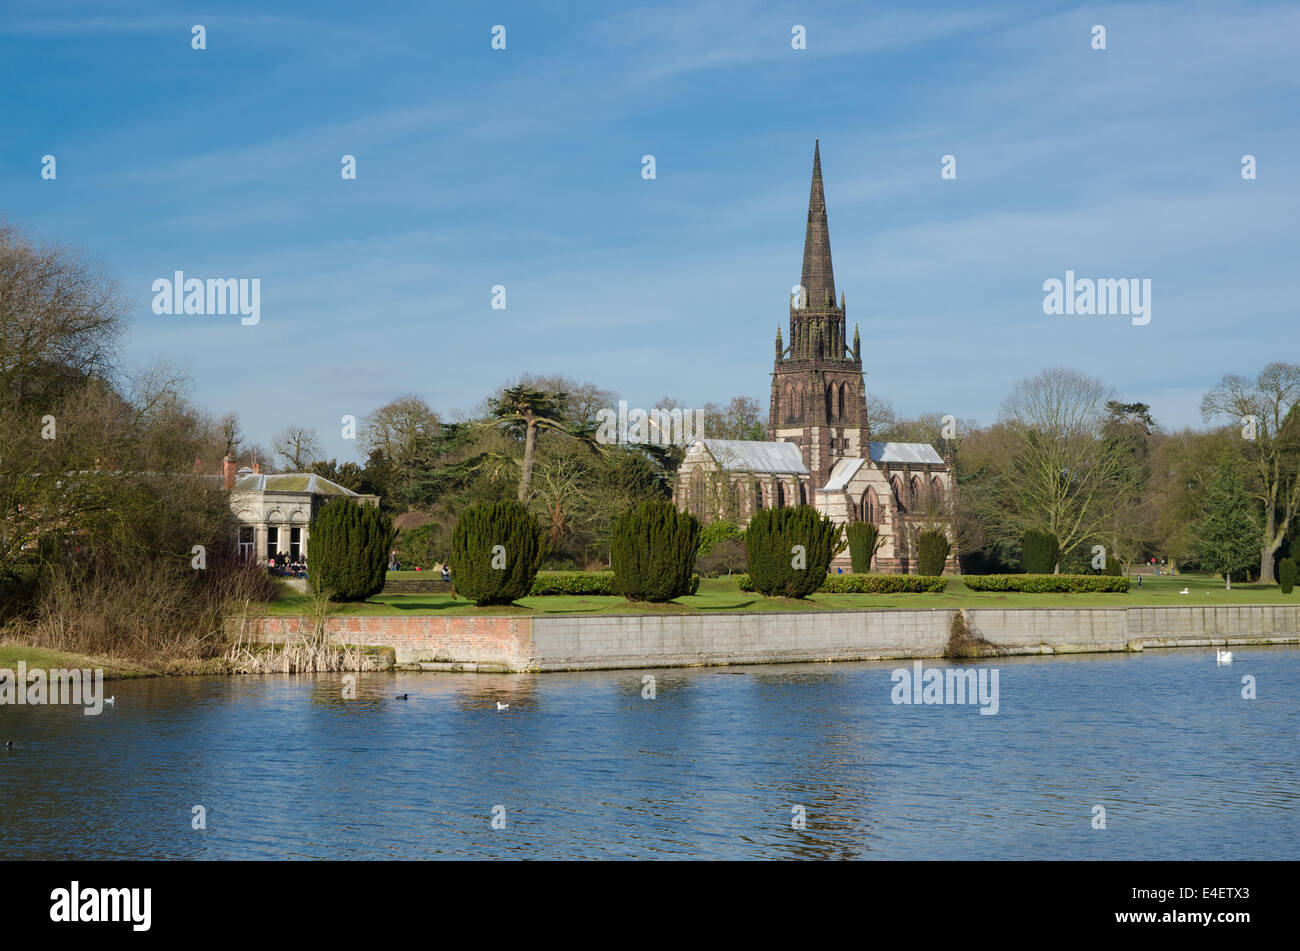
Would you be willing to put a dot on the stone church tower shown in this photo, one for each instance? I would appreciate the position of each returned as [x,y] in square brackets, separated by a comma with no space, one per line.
[819,400]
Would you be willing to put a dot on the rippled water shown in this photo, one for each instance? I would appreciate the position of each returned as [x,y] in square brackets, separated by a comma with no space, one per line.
[712,767]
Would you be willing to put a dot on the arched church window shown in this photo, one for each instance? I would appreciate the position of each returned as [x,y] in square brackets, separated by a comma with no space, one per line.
[803,495]
[780,495]
[936,491]
[918,496]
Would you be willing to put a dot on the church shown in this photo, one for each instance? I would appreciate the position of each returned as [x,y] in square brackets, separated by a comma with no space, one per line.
[819,450]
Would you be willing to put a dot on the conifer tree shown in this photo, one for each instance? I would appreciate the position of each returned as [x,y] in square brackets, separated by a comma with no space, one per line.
[348,550]
[496,549]
[652,552]
[864,539]
[790,550]
[1228,534]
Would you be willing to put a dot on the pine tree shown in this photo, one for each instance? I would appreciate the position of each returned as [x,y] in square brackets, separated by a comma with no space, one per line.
[1228,534]
[652,551]
[496,549]
[348,550]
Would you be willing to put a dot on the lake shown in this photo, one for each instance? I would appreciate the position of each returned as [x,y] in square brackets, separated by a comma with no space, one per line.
[721,763]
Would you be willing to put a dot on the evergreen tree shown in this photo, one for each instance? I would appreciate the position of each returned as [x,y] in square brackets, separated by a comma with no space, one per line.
[932,548]
[1286,574]
[790,550]
[1041,551]
[652,550]
[1228,534]
[496,549]
[348,550]
[864,539]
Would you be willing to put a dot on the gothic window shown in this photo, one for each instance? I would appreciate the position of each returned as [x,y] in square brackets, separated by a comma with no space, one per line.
[758,496]
[918,499]
[696,501]
[780,495]
[897,485]
[840,414]
[803,495]
[936,492]
[870,507]
[830,401]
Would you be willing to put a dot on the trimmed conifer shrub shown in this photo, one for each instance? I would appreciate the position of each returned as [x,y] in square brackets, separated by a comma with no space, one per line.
[1112,566]
[1041,550]
[932,549]
[864,538]
[652,551]
[790,550]
[496,549]
[1286,574]
[347,550]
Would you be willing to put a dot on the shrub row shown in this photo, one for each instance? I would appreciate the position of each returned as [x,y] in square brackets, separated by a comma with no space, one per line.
[869,584]
[884,584]
[573,582]
[1040,584]
[583,582]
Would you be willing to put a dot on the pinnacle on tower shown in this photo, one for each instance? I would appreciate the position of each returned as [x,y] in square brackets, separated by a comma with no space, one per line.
[818,277]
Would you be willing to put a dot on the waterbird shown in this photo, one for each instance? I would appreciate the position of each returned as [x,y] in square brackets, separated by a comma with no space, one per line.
[1223,657]
[110,700]
[9,742]
[502,706]
[1184,591]
[403,696]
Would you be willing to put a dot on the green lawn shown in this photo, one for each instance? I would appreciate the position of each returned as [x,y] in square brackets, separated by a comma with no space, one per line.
[721,594]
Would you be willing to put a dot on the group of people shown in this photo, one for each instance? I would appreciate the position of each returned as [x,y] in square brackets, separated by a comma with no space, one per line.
[395,565]
[284,565]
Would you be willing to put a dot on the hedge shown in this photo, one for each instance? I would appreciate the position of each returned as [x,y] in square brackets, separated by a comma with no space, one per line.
[1041,584]
[583,582]
[869,584]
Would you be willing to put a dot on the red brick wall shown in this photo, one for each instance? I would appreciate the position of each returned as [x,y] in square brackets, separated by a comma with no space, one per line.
[492,640]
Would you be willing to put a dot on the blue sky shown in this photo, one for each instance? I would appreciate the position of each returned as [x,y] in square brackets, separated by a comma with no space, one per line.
[522,168]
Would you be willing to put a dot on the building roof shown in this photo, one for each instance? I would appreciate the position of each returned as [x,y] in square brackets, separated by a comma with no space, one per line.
[304,482]
[918,453]
[842,472]
[747,455]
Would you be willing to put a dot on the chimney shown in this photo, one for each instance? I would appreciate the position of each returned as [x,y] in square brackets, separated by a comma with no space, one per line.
[228,472]
[257,468]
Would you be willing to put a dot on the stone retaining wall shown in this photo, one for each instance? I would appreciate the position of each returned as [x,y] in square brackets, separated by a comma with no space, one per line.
[611,641]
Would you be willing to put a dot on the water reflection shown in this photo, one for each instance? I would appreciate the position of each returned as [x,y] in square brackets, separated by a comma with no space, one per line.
[586,767]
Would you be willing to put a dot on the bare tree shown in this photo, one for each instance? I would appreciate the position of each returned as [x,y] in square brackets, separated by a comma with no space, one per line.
[1061,475]
[298,445]
[1266,409]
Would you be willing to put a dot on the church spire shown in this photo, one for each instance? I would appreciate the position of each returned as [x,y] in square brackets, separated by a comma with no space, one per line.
[818,279]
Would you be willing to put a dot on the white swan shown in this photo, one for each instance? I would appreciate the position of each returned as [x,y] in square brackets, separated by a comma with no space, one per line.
[1223,657]
[1184,591]
[502,706]
[111,700]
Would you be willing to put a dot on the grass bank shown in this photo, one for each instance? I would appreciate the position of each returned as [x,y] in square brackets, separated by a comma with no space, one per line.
[721,594]
[40,657]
